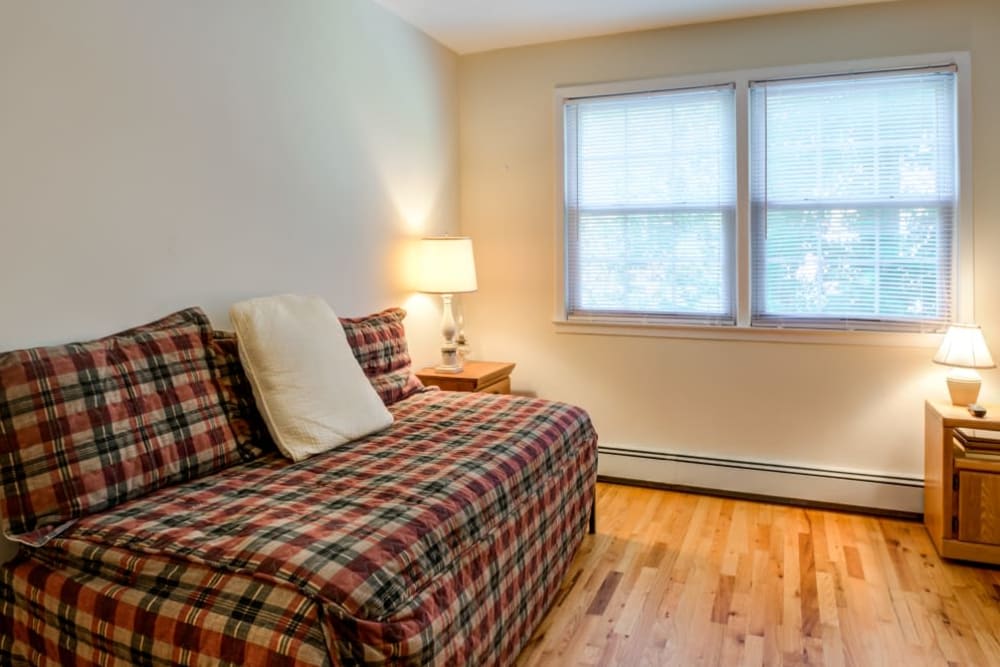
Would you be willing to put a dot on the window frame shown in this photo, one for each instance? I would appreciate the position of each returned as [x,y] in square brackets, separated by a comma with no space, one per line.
[728,241]
[962,245]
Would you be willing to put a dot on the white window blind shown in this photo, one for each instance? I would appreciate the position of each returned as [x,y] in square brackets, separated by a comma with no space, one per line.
[650,201]
[853,200]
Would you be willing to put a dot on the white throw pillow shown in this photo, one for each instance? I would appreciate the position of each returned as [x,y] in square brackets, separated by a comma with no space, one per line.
[308,386]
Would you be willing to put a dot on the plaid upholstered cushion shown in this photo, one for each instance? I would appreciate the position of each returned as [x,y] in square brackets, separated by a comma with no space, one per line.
[379,344]
[236,397]
[86,426]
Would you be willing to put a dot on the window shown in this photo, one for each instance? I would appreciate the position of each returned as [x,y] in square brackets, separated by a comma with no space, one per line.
[651,205]
[853,200]
[788,198]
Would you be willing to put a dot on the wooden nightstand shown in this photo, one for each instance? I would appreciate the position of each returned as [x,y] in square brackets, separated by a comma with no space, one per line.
[961,484]
[489,377]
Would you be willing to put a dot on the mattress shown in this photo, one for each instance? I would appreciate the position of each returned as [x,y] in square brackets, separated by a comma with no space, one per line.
[440,540]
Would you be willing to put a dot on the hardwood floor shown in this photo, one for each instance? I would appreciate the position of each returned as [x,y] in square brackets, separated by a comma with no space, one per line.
[681,579]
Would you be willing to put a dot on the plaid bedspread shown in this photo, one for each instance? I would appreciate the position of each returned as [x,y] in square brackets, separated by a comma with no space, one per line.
[438,541]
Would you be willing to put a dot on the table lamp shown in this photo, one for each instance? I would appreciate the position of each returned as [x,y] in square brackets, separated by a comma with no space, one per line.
[964,349]
[446,266]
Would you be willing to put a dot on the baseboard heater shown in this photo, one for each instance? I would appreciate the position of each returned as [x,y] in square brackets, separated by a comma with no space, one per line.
[875,493]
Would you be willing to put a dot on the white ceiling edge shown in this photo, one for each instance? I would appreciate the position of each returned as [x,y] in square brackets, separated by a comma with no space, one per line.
[472,26]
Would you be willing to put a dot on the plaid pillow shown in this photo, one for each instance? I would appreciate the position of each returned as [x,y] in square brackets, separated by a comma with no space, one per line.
[379,344]
[86,426]
[236,397]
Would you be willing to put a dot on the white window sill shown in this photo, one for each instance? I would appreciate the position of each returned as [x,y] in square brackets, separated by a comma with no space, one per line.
[754,334]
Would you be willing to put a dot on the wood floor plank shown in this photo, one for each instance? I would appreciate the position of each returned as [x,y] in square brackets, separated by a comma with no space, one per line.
[853,560]
[682,579]
[604,593]
[808,593]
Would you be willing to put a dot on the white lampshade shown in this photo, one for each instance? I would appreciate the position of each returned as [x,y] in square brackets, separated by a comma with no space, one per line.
[445,265]
[965,347]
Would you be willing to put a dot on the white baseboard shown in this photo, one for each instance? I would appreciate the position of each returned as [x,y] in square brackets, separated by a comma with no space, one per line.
[894,493]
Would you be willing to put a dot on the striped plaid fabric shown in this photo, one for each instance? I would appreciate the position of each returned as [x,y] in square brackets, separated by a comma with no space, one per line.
[235,395]
[379,344]
[441,540]
[118,609]
[86,426]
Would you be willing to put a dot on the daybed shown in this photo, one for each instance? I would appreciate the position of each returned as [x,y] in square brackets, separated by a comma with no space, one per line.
[159,525]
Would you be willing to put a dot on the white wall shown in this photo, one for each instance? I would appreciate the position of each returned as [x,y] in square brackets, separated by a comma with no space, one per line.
[840,407]
[155,155]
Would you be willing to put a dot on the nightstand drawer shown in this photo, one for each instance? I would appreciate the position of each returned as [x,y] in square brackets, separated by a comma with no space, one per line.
[979,507]
[491,377]
[501,387]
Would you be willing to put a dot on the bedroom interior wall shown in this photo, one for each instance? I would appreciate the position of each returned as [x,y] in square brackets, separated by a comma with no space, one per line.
[159,155]
[842,407]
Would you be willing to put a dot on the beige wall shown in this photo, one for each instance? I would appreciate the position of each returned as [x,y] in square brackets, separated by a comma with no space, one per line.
[155,155]
[851,407]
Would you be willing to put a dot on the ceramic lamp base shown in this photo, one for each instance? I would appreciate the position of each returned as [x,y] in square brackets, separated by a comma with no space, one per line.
[964,388]
[451,361]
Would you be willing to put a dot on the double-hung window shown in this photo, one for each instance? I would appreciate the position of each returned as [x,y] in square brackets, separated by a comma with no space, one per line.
[783,198]
[854,195]
[651,205]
